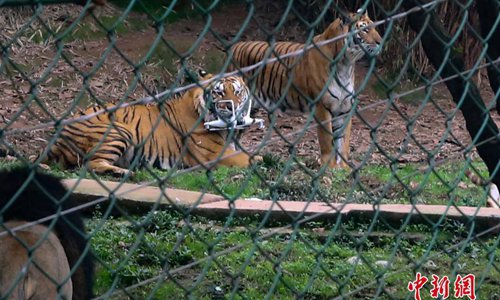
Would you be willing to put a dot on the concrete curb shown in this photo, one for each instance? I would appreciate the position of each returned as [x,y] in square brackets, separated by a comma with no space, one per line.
[136,199]
[483,217]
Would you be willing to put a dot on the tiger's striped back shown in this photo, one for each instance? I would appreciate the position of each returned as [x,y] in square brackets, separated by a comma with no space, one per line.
[271,80]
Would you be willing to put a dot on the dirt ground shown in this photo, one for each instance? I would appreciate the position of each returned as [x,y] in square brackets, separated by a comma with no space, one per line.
[41,82]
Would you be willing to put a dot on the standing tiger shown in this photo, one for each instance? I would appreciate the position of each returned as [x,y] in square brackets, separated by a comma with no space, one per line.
[166,135]
[321,80]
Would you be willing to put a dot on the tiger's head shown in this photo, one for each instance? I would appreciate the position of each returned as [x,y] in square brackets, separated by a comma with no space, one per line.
[366,38]
[226,102]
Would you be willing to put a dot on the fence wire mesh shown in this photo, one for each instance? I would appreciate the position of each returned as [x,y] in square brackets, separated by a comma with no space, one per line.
[375,175]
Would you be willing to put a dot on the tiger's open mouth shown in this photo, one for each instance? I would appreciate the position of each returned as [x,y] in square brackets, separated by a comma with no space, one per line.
[371,48]
[357,39]
[225,110]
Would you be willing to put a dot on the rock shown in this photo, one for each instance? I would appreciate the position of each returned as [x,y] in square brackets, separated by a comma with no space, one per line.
[430,265]
[355,260]
[383,263]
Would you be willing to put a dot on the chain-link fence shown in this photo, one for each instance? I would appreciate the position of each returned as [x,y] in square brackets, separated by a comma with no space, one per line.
[249,149]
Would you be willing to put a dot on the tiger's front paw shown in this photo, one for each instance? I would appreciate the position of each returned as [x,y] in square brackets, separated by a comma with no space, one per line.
[44,167]
[128,173]
[121,173]
[256,159]
[333,163]
[341,165]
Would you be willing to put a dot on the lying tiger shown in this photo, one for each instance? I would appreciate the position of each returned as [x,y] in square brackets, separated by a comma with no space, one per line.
[321,80]
[165,135]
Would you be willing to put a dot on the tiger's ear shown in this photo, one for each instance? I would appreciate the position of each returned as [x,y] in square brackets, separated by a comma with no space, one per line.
[204,75]
[360,12]
[196,75]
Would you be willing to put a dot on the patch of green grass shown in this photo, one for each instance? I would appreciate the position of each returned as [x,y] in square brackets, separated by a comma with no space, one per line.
[155,8]
[13,67]
[275,179]
[230,182]
[9,165]
[278,179]
[420,184]
[168,56]
[93,30]
[55,81]
[211,60]
[383,91]
[282,266]
[181,9]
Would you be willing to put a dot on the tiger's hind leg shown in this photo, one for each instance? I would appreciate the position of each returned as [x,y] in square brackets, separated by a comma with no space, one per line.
[325,137]
[347,146]
[107,152]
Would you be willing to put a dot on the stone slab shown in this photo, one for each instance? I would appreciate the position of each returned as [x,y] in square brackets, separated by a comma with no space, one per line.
[484,216]
[135,197]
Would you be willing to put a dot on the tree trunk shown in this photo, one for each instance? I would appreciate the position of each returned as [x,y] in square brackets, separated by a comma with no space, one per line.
[435,41]
[488,12]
